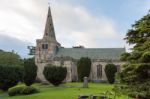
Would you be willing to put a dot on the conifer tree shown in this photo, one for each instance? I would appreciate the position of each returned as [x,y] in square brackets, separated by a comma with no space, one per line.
[136,74]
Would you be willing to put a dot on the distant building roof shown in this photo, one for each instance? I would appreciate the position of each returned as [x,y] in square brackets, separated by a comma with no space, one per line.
[93,53]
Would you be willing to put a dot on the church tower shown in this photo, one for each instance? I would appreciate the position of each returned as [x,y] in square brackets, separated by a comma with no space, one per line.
[47,46]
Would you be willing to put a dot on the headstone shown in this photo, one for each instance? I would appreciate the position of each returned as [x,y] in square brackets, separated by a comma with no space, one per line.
[83,97]
[103,97]
[94,97]
[85,83]
[98,97]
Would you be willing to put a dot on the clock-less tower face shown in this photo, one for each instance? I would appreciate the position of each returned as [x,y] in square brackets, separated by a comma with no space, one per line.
[46,46]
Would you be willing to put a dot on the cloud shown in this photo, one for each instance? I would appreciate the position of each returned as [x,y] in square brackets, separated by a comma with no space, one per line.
[24,20]
[80,27]
[9,43]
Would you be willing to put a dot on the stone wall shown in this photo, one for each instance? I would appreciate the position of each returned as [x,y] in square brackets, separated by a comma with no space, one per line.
[40,69]
[72,74]
[94,71]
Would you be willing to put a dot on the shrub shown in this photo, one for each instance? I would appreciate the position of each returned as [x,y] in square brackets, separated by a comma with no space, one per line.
[29,90]
[30,71]
[55,74]
[110,71]
[84,68]
[22,90]
[9,76]
[15,91]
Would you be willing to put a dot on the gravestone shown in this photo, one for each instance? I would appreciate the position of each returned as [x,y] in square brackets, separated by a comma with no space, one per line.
[94,97]
[85,83]
[103,97]
[98,97]
[83,97]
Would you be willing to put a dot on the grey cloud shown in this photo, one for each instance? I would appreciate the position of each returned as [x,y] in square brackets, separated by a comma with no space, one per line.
[9,43]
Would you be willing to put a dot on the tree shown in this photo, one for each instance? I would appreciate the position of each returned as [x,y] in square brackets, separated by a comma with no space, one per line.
[9,76]
[30,71]
[125,56]
[110,70]
[139,33]
[84,68]
[136,74]
[11,69]
[55,74]
[10,58]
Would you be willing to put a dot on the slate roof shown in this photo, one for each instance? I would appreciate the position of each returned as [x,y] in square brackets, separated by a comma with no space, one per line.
[93,53]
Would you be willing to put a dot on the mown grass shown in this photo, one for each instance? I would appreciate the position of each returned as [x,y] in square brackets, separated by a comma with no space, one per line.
[1,91]
[66,91]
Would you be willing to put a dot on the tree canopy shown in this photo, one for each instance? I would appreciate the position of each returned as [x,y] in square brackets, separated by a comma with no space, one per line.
[136,74]
[140,32]
[10,58]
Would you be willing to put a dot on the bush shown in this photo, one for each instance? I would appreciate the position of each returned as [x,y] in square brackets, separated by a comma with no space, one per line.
[110,71]
[84,68]
[22,90]
[9,76]
[55,74]
[30,71]
[15,91]
[29,90]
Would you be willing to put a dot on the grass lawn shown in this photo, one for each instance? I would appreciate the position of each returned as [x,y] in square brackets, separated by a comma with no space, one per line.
[66,91]
[1,92]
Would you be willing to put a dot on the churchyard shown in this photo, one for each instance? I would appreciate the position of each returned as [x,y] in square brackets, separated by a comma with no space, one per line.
[68,91]
[40,78]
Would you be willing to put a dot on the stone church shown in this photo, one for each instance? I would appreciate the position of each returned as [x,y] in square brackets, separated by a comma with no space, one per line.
[49,51]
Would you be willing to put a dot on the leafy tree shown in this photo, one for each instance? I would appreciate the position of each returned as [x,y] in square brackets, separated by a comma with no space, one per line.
[30,71]
[55,74]
[110,71]
[9,76]
[136,74]
[10,58]
[84,68]
[11,69]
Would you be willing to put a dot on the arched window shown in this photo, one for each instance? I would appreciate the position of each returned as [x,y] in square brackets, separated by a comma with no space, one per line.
[99,71]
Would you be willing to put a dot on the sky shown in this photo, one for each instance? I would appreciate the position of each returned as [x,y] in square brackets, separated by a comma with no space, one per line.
[91,23]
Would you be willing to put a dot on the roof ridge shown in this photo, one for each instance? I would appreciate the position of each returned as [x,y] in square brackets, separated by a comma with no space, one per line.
[96,48]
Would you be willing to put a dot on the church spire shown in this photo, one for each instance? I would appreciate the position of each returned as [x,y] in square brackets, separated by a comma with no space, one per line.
[49,27]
